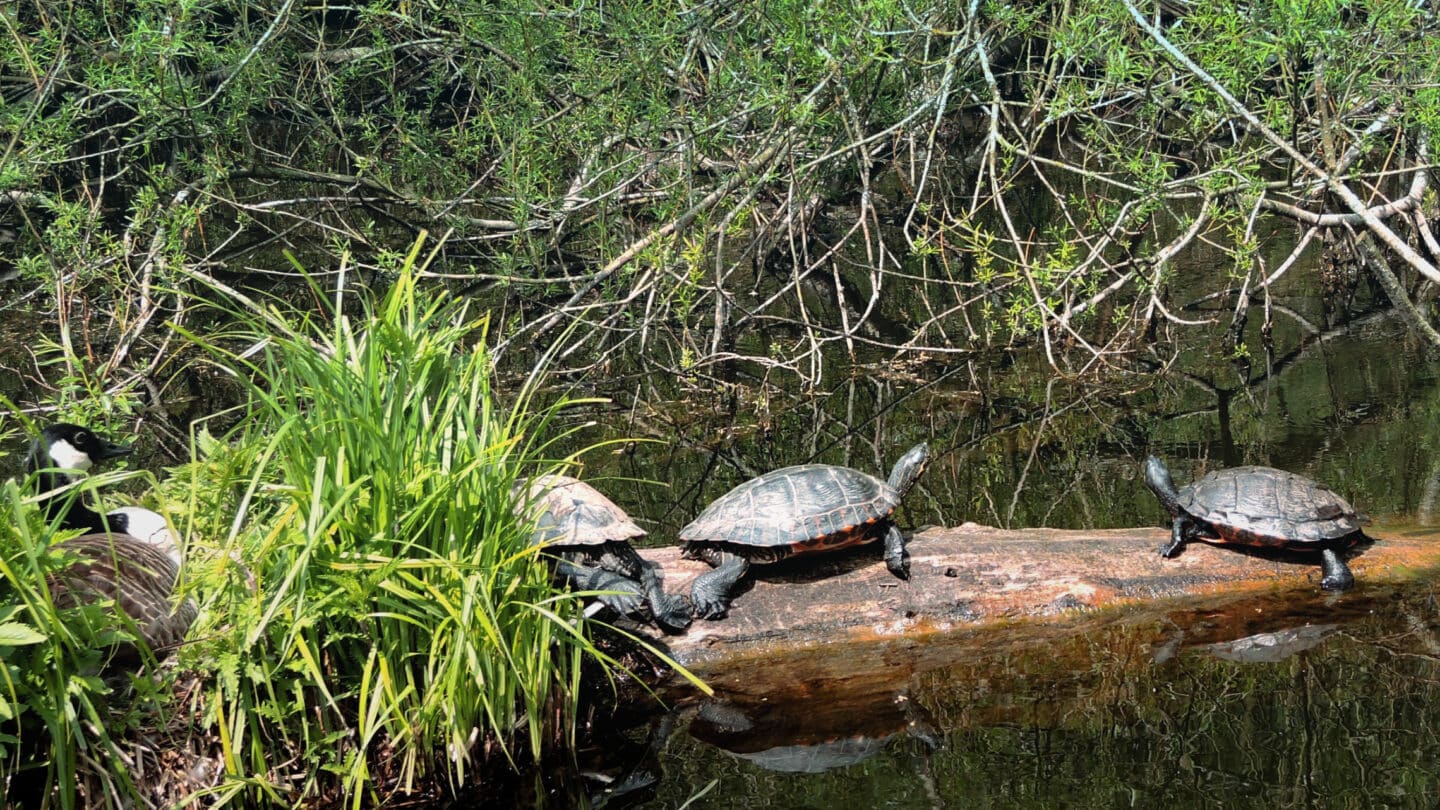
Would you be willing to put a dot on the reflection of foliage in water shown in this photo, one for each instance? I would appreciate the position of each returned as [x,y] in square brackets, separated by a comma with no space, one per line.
[1090,719]
[1015,447]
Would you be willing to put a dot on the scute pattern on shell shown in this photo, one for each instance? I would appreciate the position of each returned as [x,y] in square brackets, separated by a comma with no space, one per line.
[794,505]
[579,515]
[1266,506]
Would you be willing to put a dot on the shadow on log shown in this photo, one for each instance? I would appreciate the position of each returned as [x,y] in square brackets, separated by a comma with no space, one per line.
[844,617]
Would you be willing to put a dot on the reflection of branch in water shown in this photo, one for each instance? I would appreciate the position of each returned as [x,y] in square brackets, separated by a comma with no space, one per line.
[1312,341]
[1425,512]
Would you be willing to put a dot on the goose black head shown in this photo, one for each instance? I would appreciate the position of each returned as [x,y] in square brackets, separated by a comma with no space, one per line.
[61,455]
[129,555]
[71,447]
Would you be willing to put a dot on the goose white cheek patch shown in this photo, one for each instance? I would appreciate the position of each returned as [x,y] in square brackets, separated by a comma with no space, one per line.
[68,457]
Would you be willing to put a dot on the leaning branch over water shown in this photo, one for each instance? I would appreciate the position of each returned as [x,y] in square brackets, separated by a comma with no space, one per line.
[754,184]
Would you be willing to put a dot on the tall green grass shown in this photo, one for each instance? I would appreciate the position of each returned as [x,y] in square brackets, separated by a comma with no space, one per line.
[375,610]
[65,717]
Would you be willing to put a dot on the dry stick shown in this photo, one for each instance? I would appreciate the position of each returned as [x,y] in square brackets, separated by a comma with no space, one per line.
[644,284]
[1164,256]
[147,281]
[992,134]
[1353,202]
[1383,274]
[862,159]
[803,249]
[1096,255]
[876,254]
[1392,287]
[746,171]
[1422,224]
[1242,299]
[802,211]
[722,273]
[280,16]
[1294,256]
[946,82]
[992,139]
[1409,202]
[1352,154]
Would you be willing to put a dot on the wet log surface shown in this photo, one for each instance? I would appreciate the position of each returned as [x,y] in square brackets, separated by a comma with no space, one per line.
[845,616]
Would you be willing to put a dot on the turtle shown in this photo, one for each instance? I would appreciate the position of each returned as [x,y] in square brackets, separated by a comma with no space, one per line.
[806,509]
[1264,507]
[589,537]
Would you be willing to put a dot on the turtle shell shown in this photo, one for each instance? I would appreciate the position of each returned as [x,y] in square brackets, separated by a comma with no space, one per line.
[1263,506]
[570,512]
[811,507]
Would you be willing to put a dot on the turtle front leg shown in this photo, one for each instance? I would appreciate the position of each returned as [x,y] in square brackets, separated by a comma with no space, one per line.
[627,597]
[710,592]
[1178,531]
[897,559]
[671,611]
[1337,573]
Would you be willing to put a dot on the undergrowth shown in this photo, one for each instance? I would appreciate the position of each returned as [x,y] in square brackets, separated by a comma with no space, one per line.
[374,619]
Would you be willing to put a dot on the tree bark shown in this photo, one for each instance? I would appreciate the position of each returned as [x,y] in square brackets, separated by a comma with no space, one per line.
[845,612]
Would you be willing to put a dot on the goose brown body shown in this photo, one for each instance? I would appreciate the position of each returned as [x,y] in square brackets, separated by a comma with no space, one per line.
[138,575]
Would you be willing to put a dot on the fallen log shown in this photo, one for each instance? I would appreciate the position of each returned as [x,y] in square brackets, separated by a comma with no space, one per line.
[845,616]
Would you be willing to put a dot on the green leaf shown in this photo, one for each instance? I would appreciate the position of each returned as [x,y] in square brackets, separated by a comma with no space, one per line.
[14,634]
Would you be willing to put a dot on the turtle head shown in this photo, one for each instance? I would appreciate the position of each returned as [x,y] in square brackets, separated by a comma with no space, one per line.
[908,468]
[1157,477]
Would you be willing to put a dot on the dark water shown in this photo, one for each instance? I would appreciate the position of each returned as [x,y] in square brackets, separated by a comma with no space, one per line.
[1329,703]
[1299,699]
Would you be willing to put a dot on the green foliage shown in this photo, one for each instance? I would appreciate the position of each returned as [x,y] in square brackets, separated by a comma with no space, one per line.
[469,112]
[58,716]
[553,139]
[375,595]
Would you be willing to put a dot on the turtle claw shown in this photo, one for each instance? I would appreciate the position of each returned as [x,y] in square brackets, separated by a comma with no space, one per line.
[897,559]
[899,567]
[710,608]
[675,615]
[1337,583]
[710,592]
[1337,573]
[1180,531]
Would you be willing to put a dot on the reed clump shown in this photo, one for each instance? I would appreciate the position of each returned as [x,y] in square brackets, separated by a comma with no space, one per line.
[375,602]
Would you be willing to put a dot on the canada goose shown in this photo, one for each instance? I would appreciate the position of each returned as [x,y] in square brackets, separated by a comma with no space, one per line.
[129,555]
